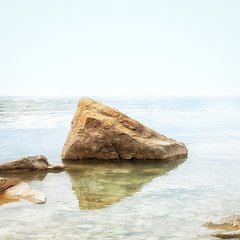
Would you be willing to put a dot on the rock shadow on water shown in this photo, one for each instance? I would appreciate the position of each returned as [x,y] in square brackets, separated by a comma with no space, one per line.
[98,185]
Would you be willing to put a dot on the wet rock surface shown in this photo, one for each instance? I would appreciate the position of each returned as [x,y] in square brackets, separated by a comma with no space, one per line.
[99,132]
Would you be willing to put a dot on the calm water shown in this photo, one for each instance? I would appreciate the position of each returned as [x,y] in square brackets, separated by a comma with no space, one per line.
[125,200]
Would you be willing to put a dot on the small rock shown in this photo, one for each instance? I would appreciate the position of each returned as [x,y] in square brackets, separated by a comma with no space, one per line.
[230,224]
[26,163]
[56,168]
[24,191]
[29,163]
[232,219]
[232,234]
[6,183]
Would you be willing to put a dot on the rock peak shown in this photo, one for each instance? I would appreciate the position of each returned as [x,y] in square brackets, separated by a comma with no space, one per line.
[99,132]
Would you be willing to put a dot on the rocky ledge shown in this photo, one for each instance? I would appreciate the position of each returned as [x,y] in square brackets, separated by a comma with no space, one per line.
[30,163]
[99,132]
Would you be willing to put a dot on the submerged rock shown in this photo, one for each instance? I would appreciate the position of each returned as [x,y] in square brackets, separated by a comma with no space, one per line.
[22,191]
[230,224]
[30,163]
[99,132]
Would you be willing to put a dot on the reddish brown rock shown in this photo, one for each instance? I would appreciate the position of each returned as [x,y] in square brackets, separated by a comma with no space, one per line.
[99,132]
[6,183]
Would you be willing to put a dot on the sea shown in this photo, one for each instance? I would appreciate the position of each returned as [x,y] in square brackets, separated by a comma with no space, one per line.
[132,200]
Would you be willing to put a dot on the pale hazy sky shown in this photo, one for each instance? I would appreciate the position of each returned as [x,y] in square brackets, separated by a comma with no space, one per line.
[94,47]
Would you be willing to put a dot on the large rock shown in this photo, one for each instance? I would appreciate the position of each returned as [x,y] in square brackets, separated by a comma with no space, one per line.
[29,163]
[99,132]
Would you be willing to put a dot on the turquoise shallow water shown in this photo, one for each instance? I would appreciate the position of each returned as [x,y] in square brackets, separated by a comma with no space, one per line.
[125,200]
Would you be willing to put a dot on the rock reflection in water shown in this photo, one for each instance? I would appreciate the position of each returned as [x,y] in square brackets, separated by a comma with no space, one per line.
[98,185]
[26,176]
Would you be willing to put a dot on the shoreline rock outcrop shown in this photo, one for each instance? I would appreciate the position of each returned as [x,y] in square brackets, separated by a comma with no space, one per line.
[99,132]
[30,163]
